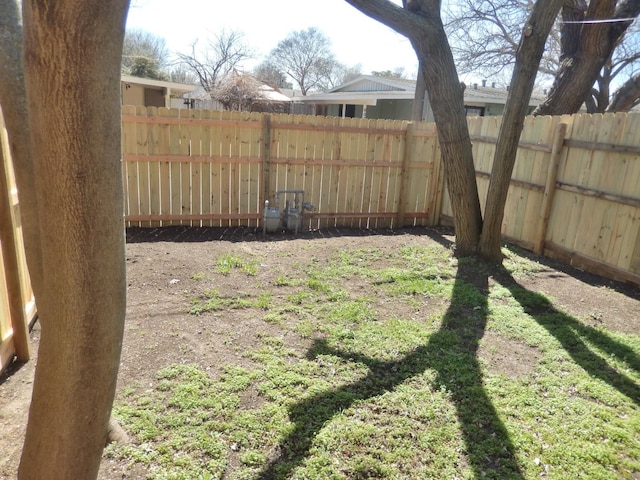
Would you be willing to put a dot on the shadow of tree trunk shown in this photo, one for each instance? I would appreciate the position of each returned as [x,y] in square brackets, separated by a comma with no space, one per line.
[586,345]
[452,353]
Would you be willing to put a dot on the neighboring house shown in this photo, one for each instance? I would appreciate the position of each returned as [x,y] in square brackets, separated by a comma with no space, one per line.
[152,93]
[391,98]
[272,99]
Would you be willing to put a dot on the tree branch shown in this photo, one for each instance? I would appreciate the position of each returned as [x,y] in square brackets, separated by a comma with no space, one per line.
[402,20]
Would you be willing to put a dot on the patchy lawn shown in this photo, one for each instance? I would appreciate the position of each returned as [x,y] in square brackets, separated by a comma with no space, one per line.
[349,354]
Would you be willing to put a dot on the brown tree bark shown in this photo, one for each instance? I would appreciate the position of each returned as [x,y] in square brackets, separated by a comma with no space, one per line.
[528,56]
[583,61]
[420,22]
[627,96]
[72,52]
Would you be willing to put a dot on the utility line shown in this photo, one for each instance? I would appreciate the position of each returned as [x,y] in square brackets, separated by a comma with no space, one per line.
[604,20]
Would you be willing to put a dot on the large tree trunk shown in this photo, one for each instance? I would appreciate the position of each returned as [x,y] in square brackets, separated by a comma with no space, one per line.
[72,70]
[420,22]
[447,102]
[528,57]
[580,66]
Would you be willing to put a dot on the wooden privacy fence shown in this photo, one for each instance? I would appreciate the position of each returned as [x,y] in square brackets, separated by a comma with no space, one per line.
[575,189]
[17,305]
[215,168]
[575,192]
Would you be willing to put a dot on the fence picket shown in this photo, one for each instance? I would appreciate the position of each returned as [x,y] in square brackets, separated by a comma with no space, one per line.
[155,200]
[205,170]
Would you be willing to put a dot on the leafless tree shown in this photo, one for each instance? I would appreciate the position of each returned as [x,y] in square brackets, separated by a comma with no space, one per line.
[396,73]
[485,34]
[306,57]
[218,59]
[270,74]
[180,74]
[337,75]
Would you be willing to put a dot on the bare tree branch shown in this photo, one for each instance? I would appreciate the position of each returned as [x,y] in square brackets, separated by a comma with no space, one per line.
[306,57]
[222,55]
[627,96]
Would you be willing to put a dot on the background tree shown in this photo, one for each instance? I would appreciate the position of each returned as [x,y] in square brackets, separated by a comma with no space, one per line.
[238,92]
[420,21]
[397,73]
[305,56]
[180,74]
[144,55]
[270,74]
[145,67]
[329,78]
[485,35]
[337,75]
[69,183]
[345,73]
[627,96]
[218,59]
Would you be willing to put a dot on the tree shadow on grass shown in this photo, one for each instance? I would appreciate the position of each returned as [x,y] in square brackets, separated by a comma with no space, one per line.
[587,346]
[452,353]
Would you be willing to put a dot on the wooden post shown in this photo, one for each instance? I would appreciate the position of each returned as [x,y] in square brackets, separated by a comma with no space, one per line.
[404,175]
[13,269]
[550,186]
[266,157]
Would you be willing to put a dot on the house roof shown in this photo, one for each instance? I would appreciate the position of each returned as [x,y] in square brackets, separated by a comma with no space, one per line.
[372,83]
[272,95]
[478,94]
[368,89]
[177,88]
[269,94]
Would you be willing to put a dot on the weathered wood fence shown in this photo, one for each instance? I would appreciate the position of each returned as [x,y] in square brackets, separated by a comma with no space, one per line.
[17,305]
[214,168]
[575,189]
[575,193]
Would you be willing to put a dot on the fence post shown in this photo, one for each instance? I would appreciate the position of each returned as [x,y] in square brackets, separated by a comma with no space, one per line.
[550,186]
[12,268]
[266,157]
[404,175]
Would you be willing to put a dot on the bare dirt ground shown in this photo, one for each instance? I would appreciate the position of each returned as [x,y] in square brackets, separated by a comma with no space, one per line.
[161,264]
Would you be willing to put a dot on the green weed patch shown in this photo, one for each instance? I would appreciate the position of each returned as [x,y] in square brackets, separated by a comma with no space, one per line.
[387,388]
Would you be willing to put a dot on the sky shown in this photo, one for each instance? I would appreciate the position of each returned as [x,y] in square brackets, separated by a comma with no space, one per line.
[355,38]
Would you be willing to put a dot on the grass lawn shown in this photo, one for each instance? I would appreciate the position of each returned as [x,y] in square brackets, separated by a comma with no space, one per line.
[414,365]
